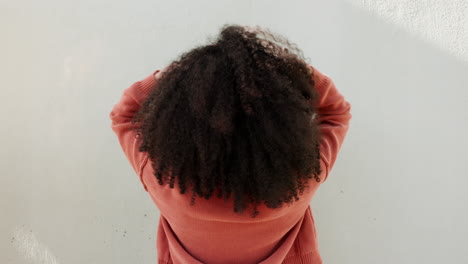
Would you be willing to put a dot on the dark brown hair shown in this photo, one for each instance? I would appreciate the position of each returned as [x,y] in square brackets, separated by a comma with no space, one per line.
[235,116]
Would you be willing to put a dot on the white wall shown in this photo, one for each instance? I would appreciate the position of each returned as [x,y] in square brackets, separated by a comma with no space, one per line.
[397,193]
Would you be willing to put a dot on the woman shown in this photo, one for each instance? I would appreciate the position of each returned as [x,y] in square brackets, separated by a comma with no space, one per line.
[245,123]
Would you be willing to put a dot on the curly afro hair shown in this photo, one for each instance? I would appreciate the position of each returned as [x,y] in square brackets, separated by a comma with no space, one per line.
[235,116]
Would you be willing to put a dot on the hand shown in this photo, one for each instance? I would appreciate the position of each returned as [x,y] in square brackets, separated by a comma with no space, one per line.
[156,75]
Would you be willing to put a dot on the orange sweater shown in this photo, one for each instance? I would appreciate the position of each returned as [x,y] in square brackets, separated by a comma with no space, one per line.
[210,232]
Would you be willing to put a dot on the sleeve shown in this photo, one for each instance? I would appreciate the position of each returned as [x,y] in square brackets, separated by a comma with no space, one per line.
[121,116]
[334,116]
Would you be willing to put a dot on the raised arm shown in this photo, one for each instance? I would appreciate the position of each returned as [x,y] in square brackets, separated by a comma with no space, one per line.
[121,116]
[334,116]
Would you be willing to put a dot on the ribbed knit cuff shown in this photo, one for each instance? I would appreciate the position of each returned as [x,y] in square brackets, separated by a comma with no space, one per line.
[321,79]
[146,85]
